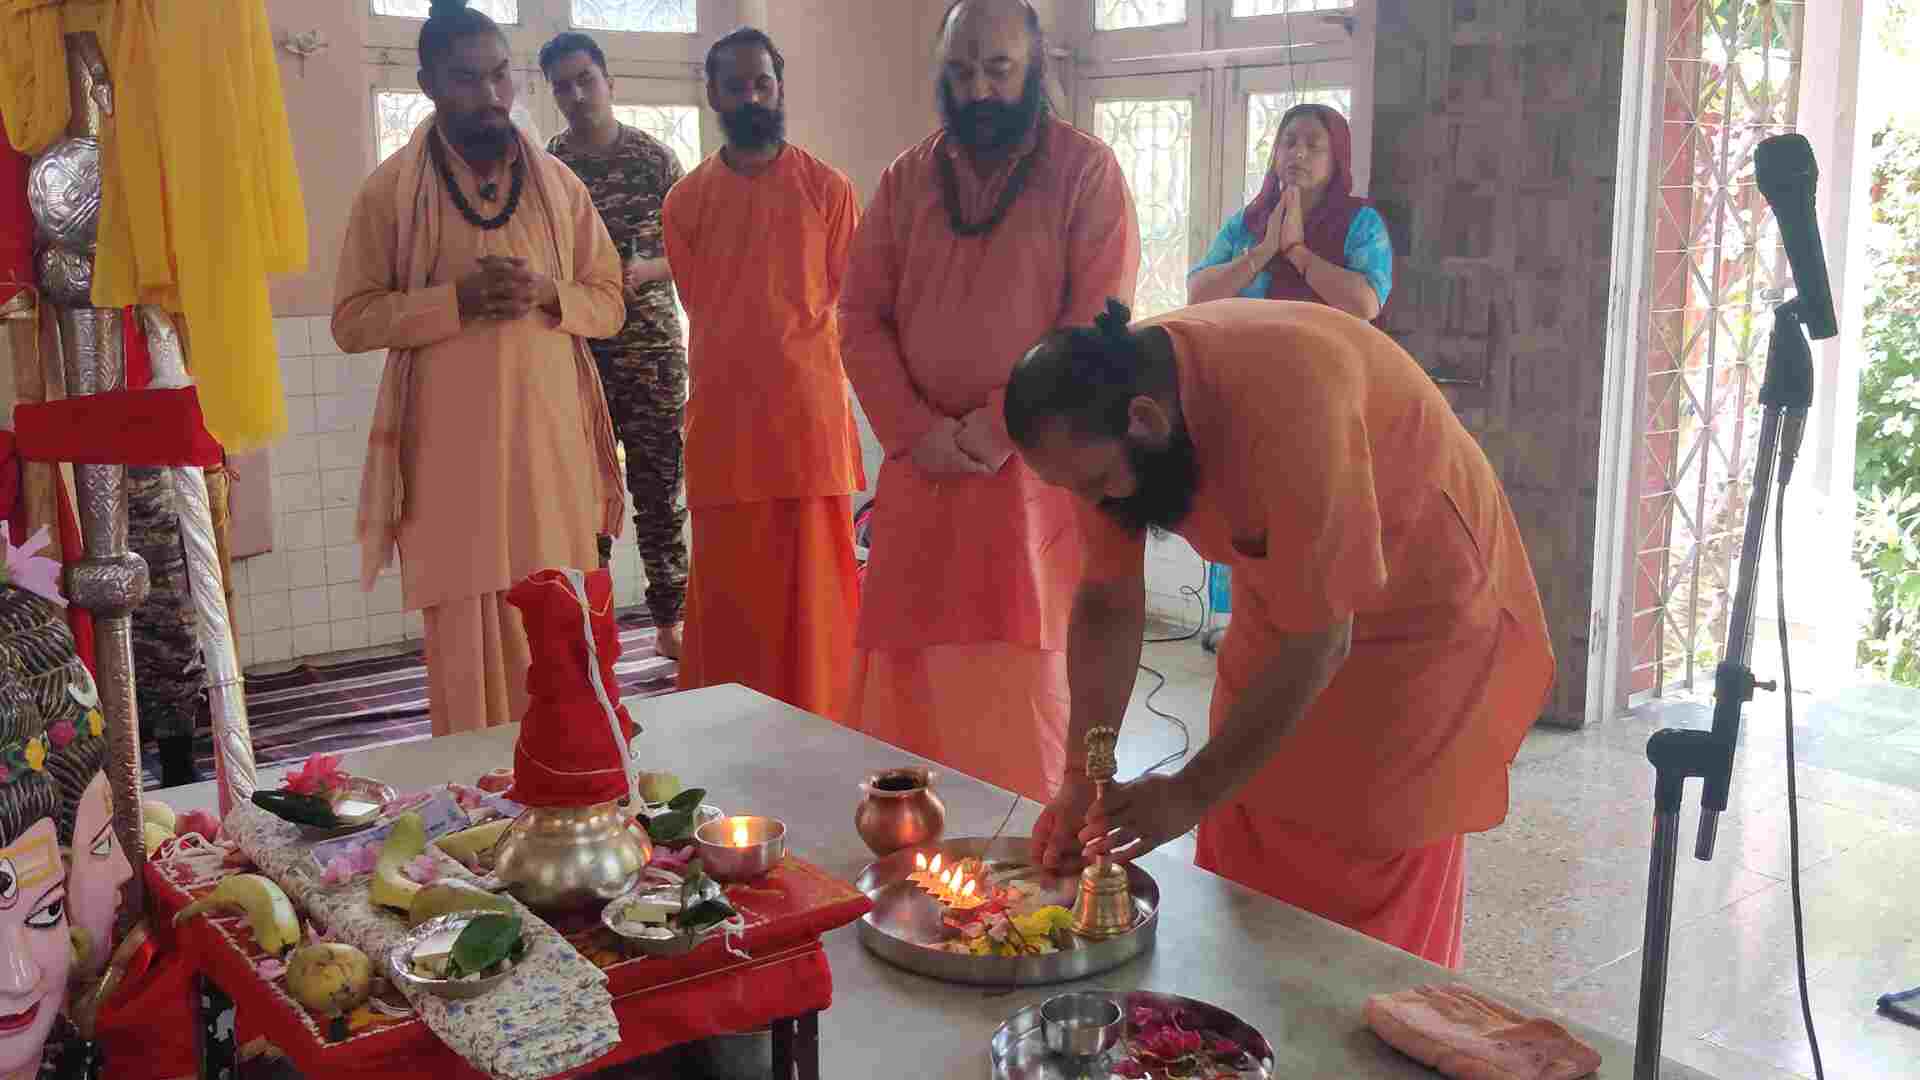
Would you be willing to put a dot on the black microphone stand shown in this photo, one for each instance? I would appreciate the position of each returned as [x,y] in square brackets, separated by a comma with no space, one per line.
[1678,754]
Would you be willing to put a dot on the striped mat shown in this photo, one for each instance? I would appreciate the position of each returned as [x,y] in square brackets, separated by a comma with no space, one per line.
[381,700]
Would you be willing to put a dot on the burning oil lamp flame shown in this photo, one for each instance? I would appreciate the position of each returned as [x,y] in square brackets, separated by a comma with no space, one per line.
[741,838]
[967,889]
[934,867]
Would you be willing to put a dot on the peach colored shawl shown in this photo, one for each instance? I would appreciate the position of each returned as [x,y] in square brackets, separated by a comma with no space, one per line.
[383,494]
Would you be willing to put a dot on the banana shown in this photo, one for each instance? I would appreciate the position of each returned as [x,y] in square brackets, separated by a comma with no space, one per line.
[467,844]
[269,913]
[159,813]
[405,843]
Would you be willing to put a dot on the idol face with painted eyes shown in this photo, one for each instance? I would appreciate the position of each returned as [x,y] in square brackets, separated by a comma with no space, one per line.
[97,870]
[36,948]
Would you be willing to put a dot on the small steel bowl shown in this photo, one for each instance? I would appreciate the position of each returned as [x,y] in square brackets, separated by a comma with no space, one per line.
[366,799]
[724,860]
[1081,1024]
[658,941]
[400,959]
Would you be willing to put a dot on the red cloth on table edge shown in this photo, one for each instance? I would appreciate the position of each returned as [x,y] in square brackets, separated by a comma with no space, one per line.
[146,1032]
[660,1003]
[66,530]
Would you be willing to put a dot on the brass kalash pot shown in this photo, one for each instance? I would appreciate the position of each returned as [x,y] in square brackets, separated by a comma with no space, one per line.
[1104,908]
[566,857]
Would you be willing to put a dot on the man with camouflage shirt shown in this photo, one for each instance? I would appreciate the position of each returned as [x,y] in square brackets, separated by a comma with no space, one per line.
[644,368]
[168,673]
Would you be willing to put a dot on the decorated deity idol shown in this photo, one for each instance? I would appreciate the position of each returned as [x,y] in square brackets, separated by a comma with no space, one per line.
[37,649]
[36,944]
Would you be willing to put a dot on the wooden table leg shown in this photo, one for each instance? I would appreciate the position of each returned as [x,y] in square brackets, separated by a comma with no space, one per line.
[783,1039]
[806,1047]
[213,1031]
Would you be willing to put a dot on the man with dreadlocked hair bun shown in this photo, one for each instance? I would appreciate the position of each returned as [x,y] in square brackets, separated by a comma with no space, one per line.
[1388,650]
[1006,223]
[477,260]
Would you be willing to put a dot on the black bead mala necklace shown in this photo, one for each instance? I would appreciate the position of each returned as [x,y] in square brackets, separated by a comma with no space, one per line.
[1016,183]
[459,198]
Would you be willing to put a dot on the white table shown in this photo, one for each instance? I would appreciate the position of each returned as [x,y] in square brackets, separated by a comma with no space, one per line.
[1298,978]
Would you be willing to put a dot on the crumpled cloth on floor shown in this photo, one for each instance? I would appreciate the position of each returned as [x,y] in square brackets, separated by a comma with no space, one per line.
[1468,1036]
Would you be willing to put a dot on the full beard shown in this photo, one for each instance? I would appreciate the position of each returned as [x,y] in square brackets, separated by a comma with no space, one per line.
[755,127]
[994,125]
[478,139]
[1166,479]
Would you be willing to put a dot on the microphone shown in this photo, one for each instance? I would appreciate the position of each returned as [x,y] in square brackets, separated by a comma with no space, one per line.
[1786,174]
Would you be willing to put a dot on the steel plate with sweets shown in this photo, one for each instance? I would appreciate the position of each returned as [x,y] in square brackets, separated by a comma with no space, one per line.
[1162,1035]
[974,910]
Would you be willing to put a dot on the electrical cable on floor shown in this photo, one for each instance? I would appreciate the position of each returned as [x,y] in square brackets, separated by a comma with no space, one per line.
[1199,593]
[1793,800]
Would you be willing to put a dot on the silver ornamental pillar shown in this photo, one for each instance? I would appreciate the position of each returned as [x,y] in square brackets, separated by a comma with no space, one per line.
[226,697]
[63,189]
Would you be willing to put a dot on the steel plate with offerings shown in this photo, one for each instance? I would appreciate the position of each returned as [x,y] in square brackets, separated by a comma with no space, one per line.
[1164,1035]
[975,910]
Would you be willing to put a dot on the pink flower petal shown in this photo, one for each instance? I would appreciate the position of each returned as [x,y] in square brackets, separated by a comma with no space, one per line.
[270,969]
[422,870]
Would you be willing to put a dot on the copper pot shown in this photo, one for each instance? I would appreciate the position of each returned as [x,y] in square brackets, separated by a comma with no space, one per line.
[900,810]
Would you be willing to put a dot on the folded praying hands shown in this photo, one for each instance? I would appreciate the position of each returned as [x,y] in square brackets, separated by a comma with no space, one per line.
[967,447]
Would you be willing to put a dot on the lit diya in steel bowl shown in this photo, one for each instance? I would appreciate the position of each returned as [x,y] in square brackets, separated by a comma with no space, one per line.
[741,848]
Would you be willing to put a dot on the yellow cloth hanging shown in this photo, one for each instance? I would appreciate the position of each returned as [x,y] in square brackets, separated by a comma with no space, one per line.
[33,74]
[201,198]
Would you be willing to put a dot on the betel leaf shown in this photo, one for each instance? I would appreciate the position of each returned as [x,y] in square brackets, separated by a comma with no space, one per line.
[299,809]
[688,800]
[672,827]
[705,914]
[486,941]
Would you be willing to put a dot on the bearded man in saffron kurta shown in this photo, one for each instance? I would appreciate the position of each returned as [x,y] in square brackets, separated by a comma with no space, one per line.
[1388,650]
[758,237]
[1003,225]
[477,259]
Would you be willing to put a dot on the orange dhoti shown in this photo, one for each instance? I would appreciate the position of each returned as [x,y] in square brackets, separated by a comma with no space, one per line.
[1414,900]
[996,710]
[772,599]
[476,664]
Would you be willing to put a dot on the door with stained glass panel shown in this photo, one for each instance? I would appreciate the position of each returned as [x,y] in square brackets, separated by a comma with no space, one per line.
[1133,28]
[1160,128]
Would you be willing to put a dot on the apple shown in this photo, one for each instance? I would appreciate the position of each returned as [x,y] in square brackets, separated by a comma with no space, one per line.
[200,821]
[659,787]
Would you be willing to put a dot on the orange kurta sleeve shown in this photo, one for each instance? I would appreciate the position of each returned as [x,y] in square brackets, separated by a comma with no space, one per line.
[593,304]
[370,308]
[870,333]
[1322,557]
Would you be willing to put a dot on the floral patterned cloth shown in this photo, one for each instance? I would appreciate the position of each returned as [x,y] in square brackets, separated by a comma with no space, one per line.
[552,1014]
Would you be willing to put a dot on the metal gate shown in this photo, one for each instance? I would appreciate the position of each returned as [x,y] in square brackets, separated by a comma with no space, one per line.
[1729,80]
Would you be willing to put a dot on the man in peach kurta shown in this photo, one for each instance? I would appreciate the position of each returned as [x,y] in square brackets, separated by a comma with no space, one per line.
[1388,650]
[758,238]
[477,259]
[1003,225]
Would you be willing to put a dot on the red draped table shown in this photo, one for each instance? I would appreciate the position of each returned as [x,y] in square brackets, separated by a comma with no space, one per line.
[660,1003]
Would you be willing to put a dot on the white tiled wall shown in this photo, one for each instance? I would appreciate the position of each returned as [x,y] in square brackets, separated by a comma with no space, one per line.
[303,598]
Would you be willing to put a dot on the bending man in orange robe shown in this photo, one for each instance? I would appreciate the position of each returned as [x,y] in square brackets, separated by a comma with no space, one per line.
[1388,650]
[478,260]
[758,238]
[1003,225]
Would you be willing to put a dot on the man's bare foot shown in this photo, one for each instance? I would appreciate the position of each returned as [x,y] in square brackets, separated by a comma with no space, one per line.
[667,642]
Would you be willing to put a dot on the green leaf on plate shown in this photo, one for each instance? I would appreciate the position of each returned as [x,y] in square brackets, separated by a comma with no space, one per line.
[486,941]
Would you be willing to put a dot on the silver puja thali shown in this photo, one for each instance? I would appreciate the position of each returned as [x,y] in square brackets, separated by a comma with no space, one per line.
[905,927]
[1019,1050]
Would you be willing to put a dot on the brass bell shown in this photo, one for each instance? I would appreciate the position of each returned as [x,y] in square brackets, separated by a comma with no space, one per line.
[1104,908]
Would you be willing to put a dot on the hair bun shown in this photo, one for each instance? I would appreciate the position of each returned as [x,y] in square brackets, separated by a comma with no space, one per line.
[1112,323]
[442,9]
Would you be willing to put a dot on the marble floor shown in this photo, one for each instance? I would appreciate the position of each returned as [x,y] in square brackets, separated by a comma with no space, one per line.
[1557,894]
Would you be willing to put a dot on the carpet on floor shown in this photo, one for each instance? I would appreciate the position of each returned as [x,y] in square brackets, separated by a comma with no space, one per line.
[333,708]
